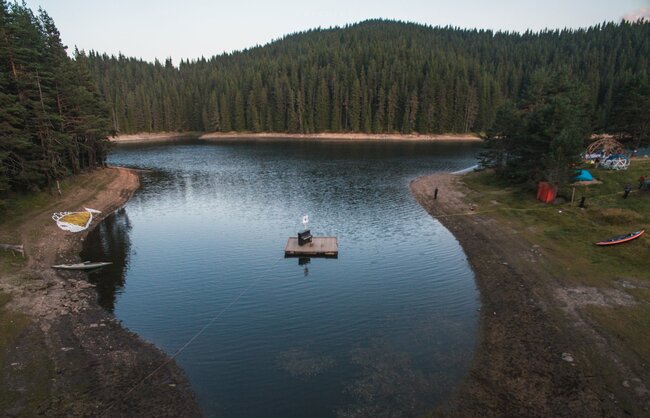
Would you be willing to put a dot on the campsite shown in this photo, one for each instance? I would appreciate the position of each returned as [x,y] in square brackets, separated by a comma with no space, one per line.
[570,232]
[556,307]
[567,234]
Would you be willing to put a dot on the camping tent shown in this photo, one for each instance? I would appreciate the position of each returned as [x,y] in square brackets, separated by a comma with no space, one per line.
[583,175]
[546,192]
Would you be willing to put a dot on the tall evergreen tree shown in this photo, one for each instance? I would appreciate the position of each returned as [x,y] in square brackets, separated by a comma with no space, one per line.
[542,138]
[52,120]
[631,111]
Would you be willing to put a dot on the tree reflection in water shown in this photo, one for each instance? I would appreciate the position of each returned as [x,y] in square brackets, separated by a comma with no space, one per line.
[109,241]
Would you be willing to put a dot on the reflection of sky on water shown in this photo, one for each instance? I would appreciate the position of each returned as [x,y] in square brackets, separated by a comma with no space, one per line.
[388,326]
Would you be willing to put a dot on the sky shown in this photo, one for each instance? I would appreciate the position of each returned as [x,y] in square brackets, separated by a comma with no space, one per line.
[190,29]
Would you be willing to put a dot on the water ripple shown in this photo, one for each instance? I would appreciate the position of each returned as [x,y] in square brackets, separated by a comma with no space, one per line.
[208,227]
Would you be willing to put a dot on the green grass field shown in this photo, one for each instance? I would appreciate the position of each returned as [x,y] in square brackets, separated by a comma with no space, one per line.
[567,234]
[29,369]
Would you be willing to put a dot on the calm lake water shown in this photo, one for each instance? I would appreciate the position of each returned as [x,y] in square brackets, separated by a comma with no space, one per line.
[387,329]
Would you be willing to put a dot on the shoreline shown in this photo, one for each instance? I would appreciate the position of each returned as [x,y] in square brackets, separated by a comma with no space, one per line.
[529,358]
[153,137]
[510,374]
[72,352]
[264,136]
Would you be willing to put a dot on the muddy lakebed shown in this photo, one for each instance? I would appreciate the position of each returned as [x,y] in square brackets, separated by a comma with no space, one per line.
[387,328]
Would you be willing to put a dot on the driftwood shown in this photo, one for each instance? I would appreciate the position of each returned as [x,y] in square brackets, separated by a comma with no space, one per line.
[13,248]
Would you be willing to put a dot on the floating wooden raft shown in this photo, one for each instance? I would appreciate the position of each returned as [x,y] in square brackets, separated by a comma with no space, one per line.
[318,247]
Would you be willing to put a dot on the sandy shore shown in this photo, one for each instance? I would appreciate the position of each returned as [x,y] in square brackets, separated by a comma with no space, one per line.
[530,359]
[154,137]
[72,358]
[342,136]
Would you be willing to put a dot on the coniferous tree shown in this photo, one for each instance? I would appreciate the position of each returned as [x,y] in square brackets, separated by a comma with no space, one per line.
[252,115]
[410,112]
[542,138]
[322,109]
[52,120]
[391,109]
[631,111]
[354,106]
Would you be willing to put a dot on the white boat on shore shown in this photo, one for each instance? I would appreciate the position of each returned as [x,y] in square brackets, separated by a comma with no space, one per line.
[86,265]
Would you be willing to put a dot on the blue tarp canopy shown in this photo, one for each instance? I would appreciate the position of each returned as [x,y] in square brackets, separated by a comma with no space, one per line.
[583,175]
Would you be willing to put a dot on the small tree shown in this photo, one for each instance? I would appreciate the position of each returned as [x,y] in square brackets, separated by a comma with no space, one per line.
[542,137]
[499,139]
[631,112]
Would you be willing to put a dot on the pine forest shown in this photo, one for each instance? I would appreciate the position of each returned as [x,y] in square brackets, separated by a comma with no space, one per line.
[372,77]
[53,122]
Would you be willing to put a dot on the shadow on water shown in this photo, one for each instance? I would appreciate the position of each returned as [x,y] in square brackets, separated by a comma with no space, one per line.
[109,241]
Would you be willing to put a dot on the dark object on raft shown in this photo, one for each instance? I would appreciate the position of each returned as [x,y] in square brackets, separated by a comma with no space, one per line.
[304,237]
[621,238]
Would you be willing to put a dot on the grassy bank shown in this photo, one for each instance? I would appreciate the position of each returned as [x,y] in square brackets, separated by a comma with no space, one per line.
[26,387]
[13,325]
[566,234]
[63,355]
[27,373]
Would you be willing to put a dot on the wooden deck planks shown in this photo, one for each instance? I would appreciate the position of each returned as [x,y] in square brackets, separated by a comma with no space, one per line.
[319,246]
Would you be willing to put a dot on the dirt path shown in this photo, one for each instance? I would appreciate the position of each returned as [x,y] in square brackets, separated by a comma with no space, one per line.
[73,358]
[530,359]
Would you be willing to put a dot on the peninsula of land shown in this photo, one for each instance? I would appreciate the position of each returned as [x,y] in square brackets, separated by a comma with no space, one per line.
[540,352]
[62,354]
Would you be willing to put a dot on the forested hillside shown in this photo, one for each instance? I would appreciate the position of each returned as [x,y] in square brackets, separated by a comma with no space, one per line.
[53,121]
[376,76]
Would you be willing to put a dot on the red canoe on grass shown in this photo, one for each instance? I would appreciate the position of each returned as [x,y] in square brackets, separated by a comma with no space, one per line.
[622,238]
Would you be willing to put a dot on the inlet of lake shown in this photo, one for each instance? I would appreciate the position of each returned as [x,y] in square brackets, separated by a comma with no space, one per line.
[386,329]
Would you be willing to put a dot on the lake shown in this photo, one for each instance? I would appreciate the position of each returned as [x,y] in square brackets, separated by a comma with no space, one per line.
[386,329]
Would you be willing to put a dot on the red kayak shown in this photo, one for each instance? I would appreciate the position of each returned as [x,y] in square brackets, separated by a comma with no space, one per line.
[622,238]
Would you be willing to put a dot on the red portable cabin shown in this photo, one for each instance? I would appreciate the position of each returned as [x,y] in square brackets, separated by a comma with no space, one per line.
[546,192]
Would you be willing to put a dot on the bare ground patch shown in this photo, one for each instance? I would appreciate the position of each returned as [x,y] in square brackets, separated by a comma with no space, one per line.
[574,298]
